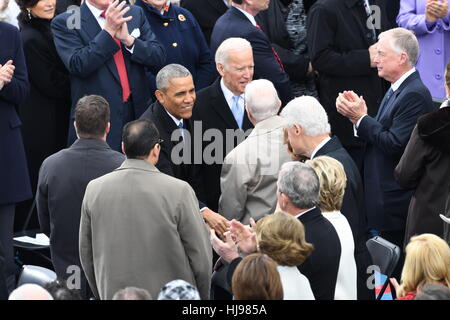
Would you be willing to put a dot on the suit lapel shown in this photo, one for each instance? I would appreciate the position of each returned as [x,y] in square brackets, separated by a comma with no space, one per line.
[167,122]
[220,105]
[330,146]
[92,29]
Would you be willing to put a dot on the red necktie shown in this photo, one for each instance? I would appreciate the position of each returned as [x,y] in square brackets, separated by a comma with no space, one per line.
[121,69]
[277,57]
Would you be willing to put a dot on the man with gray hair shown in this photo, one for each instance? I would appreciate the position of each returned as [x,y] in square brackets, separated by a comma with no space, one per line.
[171,113]
[219,109]
[387,134]
[308,135]
[298,195]
[250,171]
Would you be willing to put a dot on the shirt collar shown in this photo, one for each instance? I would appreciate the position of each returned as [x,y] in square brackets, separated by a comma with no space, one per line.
[248,15]
[399,82]
[319,146]
[177,121]
[300,214]
[95,11]
[228,94]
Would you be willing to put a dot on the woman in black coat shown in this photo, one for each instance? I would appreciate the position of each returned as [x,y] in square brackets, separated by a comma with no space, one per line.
[45,114]
[425,166]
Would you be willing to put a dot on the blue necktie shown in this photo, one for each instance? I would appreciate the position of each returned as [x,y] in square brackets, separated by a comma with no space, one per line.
[386,103]
[237,111]
[181,127]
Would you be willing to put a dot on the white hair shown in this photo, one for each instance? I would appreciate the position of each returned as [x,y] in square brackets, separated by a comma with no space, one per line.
[261,99]
[30,291]
[403,40]
[309,114]
[230,44]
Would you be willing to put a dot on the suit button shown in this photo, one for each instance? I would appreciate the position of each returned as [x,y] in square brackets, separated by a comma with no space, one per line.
[165,24]
[437,51]
[438,76]
[174,44]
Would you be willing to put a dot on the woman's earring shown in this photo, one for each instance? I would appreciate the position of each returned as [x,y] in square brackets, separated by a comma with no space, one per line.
[29,14]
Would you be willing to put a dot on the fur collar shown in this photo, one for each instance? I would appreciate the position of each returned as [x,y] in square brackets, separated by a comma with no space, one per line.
[434,128]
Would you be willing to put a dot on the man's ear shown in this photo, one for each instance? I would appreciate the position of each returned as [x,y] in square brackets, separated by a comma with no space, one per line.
[160,96]
[108,127]
[123,148]
[298,130]
[220,68]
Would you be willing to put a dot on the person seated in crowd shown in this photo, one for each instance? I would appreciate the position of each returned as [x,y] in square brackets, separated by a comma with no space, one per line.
[132,293]
[308,135]
[425,166]
[427,262]
[177,29]
[282,237]
[172,114]
[59,291]
[30,291]
[45,114]
[239,21]
[430,22]
[332,187]
[142,221]
[284,23]
[256,278]
[220,109]
[249,173]
[178,290]
[433,292]
[60,191]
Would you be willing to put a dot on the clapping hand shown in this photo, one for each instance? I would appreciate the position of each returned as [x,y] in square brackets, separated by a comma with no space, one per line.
[115,19]
[6,73]
[351,106]
[436,10]
[244,236]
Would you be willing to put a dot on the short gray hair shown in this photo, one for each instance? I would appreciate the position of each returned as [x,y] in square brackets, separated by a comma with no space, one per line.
[132,293]
[261,99]
[168,73]
[230,44]
[403,40]
[309,114]
[299,182]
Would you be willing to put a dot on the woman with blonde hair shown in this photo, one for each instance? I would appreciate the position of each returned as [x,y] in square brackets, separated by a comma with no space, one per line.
[332,187]
[427,262]
[282,237]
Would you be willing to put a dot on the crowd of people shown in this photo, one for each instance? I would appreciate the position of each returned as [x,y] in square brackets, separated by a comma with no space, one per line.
[226,149]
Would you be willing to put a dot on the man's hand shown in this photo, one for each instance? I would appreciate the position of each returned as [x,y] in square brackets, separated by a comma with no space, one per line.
[123,35]
[245,236]
[215,221]
[351,106]
[114,17]
[373,53]
[6,73]
[227,250]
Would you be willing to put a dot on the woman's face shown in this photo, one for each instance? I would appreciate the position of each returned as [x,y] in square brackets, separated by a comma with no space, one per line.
[44,9]
[157,4]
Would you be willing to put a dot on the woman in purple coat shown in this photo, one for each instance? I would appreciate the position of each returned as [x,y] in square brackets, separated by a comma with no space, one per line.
[430,21]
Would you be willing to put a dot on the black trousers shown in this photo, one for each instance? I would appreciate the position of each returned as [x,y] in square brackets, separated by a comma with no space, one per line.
[6,242]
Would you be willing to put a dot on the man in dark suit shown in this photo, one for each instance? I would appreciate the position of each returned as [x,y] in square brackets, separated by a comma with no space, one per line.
[63,178]
[107,55]
[219,109]
[341,48]
[206,12]
[171,114]
[309,137]
[239,21]
[388,133]
[14,179]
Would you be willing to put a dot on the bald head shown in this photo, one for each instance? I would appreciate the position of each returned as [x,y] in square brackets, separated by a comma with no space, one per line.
[30,291]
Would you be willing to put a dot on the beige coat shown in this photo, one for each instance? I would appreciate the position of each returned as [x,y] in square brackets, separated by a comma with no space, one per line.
[142,228]
[250,171]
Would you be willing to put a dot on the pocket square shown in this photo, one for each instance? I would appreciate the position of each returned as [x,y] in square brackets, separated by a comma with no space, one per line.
[136,33]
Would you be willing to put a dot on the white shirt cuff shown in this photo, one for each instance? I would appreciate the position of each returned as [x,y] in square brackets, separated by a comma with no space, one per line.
[130,50]
[356,125]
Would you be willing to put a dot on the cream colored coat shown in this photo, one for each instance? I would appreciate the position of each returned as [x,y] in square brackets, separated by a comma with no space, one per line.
[142,228]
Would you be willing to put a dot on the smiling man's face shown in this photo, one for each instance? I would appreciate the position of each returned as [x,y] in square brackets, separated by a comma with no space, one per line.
[179,98]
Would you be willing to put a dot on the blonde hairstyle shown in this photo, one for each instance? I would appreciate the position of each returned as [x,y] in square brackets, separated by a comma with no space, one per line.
[282,237]
[333,181]
[257,278]
[427,261]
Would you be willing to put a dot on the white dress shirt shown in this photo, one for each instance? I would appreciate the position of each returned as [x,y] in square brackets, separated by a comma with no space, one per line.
[229,96]
[319,146]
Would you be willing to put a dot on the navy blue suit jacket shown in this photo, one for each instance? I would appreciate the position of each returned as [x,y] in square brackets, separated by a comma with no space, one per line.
[14,179]
[386,202]
[235,24]
[88,52]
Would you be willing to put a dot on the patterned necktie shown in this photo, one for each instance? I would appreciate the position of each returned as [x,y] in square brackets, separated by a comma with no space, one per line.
[275,54]
[181,128]
[237,111]
[121,68]
[366,5]
[386,103]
